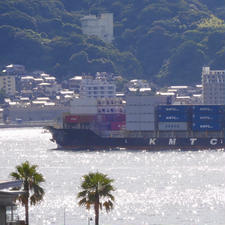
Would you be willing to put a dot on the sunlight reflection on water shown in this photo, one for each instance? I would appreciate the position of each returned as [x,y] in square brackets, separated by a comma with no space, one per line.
[166,188]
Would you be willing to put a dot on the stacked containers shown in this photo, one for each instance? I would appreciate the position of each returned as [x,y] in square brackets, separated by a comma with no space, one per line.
[82,111]
[111,114]
[110,121]
[173,117]
[208,117]
[140,112]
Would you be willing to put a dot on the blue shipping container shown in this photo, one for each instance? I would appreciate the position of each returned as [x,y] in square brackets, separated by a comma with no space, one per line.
[208,117]
[206,126]
[208,108]
[173,117]
[172,108]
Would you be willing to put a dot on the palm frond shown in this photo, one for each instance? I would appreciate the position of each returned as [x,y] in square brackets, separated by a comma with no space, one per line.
[108,205]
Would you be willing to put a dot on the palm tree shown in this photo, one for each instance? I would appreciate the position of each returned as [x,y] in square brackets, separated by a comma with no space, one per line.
[33,192]
[96,191]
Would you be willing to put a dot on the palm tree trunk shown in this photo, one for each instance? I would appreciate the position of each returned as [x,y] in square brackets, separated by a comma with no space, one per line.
[27,195]
[27,213]
[96,213]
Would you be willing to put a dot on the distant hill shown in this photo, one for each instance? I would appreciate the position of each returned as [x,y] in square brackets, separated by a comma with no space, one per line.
[166,41]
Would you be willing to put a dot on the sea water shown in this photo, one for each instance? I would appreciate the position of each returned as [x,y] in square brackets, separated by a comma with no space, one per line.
[152,188]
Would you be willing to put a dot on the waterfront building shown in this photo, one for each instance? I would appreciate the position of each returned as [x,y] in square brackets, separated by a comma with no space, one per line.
[8,84]
[7,202]
[213,85]
[100,26]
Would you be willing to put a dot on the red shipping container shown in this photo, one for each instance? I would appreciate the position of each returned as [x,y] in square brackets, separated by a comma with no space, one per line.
[79,118]
[117,125]
[71,119]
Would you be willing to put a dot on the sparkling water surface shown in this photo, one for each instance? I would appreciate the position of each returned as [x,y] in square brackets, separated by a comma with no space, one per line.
[152,188]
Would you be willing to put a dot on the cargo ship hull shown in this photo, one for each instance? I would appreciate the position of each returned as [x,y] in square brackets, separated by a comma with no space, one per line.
[83,139]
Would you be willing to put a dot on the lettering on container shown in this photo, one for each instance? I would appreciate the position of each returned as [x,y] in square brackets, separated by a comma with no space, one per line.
[172,141]
[213,141]
[193,140]
[152,141]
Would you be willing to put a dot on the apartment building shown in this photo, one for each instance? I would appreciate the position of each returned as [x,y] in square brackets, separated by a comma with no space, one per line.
[213,86]
[8,84]
[97,88]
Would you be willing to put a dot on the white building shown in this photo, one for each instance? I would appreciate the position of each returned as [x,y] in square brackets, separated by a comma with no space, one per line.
[95,88]
[8,84]
[8,196]
[100,26]
[213,83]
[74,83]
[14,69]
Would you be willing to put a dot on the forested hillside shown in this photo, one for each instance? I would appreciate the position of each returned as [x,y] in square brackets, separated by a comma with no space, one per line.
[167,41]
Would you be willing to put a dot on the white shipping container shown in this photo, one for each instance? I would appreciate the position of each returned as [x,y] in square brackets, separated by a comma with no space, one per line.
[88,110]
[168,126]
[140,117]
[140,126]
[83,101]
[147,117]
[132,117]
[86,106]
[146,126]
[132,126]
[140,109]
[132,109]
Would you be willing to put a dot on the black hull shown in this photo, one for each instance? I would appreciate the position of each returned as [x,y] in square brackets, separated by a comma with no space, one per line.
[87,139]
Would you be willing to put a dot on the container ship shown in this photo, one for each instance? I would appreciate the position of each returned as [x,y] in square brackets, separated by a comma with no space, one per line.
[141,123]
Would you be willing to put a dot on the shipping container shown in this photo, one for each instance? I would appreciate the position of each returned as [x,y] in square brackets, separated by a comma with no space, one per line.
[208,108]
[115,117]
[83,106]
[173,126]
[140,117]
[207,126]
[147,126]
[117,125]
[173,117]
[140,109]
[207,117]
[140,126]
[132,126]
[79,118]
[161,109]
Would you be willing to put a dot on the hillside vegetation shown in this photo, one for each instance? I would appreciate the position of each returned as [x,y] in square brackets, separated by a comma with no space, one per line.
[167,41]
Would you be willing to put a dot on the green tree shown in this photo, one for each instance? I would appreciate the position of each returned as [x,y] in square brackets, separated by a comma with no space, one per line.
[33,192]
[97,191]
